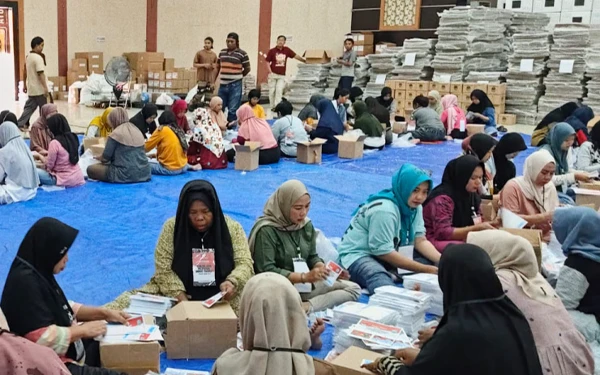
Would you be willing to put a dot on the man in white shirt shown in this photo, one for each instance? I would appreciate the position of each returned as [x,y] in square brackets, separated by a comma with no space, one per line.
[35,81]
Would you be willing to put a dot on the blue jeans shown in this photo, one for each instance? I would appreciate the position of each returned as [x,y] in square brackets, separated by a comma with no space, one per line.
[566,198]
[158,169]
[369,273]
[345,82]
[231,94]
[46,178]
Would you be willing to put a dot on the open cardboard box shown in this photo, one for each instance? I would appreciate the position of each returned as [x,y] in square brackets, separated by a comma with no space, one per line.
[594,185]
[475,128]
[194,331]
[534,236]
[593,122]
[246,156]
[133,358]
[351,146]
[589,199]
[318,56]
[348,363]
[310,152]
[399,127]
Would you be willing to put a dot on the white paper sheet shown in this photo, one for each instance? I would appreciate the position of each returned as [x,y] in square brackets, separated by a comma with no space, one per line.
[511,220]
[526,65]
[566,66]
[405,251]
[409,59]
[380,79]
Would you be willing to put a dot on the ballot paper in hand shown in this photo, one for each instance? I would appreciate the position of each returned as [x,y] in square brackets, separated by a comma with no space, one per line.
[142,332]
[334,272]
[212,300]
[511,220]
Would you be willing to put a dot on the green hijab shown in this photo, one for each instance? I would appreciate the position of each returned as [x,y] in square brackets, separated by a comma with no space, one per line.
[365,121]
[555,138]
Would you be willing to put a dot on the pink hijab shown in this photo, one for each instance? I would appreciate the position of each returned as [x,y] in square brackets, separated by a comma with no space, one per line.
[255,129]
[177,108]
[454,113]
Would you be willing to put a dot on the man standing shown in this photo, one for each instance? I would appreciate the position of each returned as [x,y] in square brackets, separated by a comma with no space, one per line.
[277,63]
[205,62]
[233,65]
[347,61]
[35,79]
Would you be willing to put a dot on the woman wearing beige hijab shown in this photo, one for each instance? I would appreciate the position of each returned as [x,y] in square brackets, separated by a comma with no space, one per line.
[285,233]
[561,348]
[216,113]
[274,333]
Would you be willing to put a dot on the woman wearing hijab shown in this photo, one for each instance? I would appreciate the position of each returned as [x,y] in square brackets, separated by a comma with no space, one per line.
[369,125]
[509,146]
[482,331]
[99,126]
[328,127]
[254,129]
[37,309]
[560,140]
[201,228]
[179,108]
[171,146]
[356,93]
[578,121]
[284,234]
[383,116]
[387,101]
[428,126]
[533,195]
[368,248]
[144,119]
[124,158]
[18,175]
[274,334]
[39,134]
[435,101]
[216,113]
[310,114]
[517,268]
[206,149]
[453,117]
[452,210]
[560,114]
[588,159]
[482,111]
[288,130]
[578,284]
[62,168]
[7,116]
[482,146]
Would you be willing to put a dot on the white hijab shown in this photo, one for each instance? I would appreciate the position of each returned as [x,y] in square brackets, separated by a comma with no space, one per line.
[545,197]
[15,158]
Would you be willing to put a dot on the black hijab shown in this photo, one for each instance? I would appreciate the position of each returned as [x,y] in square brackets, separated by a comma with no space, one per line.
[186,237]
[139,120]
[559,114]
[168,118]
[356,93]
[32,299]
[484,102]
[505,169]
[378,110]
[59,126]
[385,102]
[480,144]
[595,136]
[8,116]
[454,181]
[482,331]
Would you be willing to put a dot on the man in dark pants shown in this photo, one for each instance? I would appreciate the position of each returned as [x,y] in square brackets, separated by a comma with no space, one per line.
[347,61]
[35,81]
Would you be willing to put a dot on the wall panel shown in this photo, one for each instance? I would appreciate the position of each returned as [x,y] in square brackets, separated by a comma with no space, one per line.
[41,20]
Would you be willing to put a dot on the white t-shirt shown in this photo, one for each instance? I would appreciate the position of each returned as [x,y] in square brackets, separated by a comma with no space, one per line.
[35,64]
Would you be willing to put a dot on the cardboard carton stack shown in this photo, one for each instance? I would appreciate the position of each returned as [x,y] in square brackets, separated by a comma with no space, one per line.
[452,45]
[567,66]
[382,65]
[174,80]
[404,93]
[60,90]
[410,304]
[530,48]
[364,43]
[310,79]
[78,71]
[143,62]
[94,61]
[592,70]
[428,283]
[414,60]
[487,51]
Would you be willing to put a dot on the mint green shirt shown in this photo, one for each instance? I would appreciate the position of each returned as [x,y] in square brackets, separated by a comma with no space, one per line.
[375,231]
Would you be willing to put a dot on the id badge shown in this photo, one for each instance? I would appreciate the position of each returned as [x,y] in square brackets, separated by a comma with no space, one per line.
[300,266]
[476,219]
[203,267]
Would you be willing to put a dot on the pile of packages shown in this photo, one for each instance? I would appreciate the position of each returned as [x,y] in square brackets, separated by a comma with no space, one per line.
[530,48]
[452,45]
[427,283]
[309,80]
[333,79]
[411,306]
[414,60]
[487,44]
[567,66]
[592,70]
[248,83]
[382,66]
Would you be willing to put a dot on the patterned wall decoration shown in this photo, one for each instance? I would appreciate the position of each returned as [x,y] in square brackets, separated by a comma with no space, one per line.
[400,14]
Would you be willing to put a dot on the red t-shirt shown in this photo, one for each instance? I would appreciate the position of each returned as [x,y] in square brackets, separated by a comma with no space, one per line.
[278,59]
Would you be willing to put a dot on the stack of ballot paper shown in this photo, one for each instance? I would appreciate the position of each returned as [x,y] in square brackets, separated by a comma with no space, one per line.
[428,283]
[350,313]
[372,336]
[410,304]
[148,304]
[137,330]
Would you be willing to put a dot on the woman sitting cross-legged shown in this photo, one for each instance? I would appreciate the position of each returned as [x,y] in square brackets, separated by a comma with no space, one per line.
[428,125]
[253,129]
[99,126]
[37,309]
[199,228]
[144,120]
[19,180]
[369,125]
[284,236]
[206,148]
[288,130]
[61,167]
[39,134]
[124,159]
[171,147]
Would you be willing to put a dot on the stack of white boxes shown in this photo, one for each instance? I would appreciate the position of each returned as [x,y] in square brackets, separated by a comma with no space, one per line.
[592,70]
[559,11]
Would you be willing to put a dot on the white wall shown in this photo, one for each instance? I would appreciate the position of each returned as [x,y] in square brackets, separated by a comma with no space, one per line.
[40,17]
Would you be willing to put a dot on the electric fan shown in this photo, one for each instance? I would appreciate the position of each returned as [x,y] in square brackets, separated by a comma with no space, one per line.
[117,74]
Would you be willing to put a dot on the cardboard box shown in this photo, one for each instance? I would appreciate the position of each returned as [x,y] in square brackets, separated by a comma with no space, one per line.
[155,66]
[507,119]
[140,61]
[442,88]
[79,65]
[132,358]
[63,83]
[311,152]
[89,142]
[474,129]
[534,236]
[364,50]
[62,95]
[496,89]
[73,95]
[594,185]
[246,156]
[399,127]
[93,58]
[361,39]
[468,87]
[456,88]
[593,122]
[399,95]
[169,64]
[350,146]
[317,56]
[396,85]
[348,363]
[497,100]
[584,200]
[487,210]
[193,331]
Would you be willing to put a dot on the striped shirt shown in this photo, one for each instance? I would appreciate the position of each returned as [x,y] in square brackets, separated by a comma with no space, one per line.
[233,64]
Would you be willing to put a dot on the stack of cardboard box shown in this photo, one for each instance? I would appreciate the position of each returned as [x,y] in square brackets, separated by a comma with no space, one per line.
[141,63]
[404,92]
[364,43]
[84,64]
[159,73]
[60,90]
